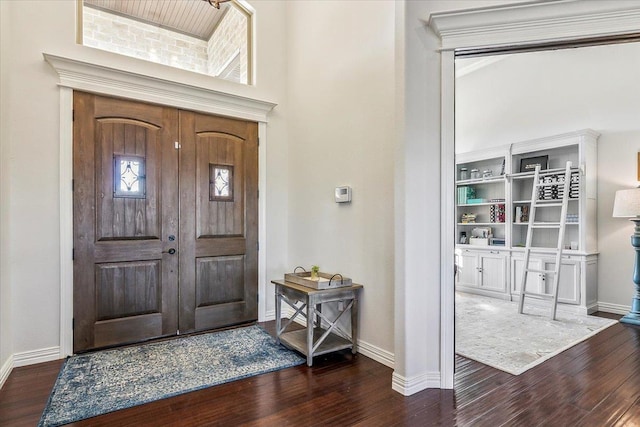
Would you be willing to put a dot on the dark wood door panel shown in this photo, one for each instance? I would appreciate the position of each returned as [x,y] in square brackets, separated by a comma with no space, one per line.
[119,251]
[223,315]
[216,246]
[125,207]
[120,141]
[219,234]
[219,214]
[165,238]
[129,330]
[128,289]
[219,280]
[136,111]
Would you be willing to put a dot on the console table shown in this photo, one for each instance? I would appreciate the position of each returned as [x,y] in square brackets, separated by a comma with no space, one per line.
[307,302]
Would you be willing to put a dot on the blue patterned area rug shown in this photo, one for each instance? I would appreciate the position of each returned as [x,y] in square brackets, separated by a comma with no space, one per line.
[106,381]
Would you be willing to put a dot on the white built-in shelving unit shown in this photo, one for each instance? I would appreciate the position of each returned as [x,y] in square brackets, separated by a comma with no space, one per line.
[493,266]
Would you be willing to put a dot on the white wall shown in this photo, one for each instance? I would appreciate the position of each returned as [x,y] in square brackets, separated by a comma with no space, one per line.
[341,132]
[534,95]
[30,198]
[6,341]
[417,214]
[344,67]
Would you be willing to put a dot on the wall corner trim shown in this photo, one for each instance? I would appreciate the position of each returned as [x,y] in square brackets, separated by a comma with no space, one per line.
[80,75]
[408,386]
[5,370]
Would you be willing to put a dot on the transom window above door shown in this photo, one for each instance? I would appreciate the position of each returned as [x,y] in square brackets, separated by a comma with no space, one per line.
[209,37]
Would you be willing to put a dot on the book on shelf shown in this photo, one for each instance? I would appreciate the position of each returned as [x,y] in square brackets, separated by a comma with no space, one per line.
[465,194]
[521,214]
[497,241]
[497,212]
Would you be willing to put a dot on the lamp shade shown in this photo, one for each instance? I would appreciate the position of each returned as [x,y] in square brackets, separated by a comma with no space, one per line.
[627,203]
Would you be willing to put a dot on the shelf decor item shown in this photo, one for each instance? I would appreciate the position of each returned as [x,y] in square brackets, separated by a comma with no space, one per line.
[627,205]
[464,174]
[468,218]
[529,164]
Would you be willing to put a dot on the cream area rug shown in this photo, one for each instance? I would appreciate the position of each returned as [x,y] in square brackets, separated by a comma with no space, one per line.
[491,331]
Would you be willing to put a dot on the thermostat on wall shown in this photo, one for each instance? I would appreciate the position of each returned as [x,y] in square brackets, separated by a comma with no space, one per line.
[343,194]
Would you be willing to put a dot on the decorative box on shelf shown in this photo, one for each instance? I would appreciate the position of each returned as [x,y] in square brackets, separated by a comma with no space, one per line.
[480,236]
[322,281]
[478,241]
[475,201]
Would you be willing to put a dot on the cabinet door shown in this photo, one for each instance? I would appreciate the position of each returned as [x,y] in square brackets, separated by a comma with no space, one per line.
[569,283]
[493,272]
[534,280]
[467,262]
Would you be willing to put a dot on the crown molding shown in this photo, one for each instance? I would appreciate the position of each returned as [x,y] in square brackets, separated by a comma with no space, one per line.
[87,77]
[535,23]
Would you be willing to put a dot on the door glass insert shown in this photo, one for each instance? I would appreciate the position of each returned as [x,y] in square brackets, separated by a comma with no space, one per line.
[220,183]
[129,177]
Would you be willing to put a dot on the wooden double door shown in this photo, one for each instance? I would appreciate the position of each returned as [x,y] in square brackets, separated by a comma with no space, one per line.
[165,221]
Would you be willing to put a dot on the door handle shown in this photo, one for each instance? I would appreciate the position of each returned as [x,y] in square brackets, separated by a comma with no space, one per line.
[170,251]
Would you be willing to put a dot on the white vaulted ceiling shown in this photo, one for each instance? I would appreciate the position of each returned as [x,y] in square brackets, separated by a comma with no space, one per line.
[195,18]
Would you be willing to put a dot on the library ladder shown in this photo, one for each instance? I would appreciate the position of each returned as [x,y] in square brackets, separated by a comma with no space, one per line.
[542,186]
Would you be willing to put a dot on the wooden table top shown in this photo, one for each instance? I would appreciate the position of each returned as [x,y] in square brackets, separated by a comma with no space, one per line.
[308,290]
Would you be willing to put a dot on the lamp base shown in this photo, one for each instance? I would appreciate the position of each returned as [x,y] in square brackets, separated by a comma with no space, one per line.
[633,317]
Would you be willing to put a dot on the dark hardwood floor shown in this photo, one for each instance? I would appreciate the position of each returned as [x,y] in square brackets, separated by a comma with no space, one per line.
[595,383]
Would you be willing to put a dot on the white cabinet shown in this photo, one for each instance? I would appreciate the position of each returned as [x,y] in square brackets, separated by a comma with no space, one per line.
[570,284]
[481,271]
[467,269]
[495,266]
[493,271]
[534,281]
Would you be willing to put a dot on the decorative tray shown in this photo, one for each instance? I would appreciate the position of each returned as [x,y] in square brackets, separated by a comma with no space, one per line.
[322,281]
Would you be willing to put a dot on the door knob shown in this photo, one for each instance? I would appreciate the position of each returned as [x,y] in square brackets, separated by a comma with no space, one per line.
[170,251]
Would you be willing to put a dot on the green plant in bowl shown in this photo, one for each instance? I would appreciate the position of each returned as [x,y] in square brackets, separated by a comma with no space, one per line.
[314,271]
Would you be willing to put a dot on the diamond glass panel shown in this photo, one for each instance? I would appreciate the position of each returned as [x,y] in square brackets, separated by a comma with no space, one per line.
[220,182]
[129,176]
[221,188]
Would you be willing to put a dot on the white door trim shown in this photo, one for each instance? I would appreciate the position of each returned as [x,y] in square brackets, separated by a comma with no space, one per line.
[507,27]
[78,75]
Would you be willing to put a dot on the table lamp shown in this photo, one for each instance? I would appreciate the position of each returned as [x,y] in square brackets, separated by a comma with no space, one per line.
[627,205]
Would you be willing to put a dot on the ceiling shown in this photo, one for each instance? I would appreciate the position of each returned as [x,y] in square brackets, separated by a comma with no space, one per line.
[195,18]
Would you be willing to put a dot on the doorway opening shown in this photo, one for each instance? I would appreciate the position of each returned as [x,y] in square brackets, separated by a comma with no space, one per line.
[522,105]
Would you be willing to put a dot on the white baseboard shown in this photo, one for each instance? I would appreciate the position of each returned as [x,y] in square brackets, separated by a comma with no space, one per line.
[6,369]
[409,386]
[376,353]
[366,349]
[608,307]
[269,315]
[36,356]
